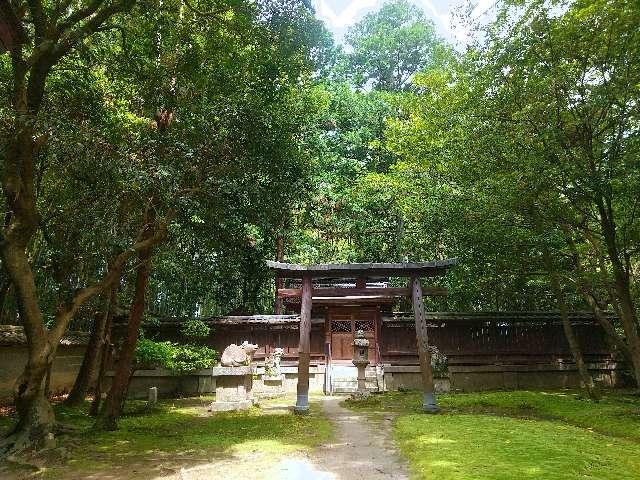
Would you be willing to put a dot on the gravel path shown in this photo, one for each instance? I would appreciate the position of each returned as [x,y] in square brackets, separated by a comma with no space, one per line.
[363,450]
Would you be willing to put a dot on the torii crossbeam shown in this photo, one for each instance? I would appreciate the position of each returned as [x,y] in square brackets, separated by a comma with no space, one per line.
[361,271]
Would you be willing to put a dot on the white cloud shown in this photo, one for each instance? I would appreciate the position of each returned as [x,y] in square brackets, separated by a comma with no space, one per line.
[443,13]
[347,16]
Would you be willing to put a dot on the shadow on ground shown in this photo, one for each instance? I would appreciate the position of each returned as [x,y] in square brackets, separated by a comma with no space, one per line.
[178,439]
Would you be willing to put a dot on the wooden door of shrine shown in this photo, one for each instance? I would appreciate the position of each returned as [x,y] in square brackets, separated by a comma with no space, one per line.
[344,322]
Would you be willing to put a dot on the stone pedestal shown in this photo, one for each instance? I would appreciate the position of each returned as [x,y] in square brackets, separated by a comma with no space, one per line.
[362,391]
[233,388]
[362,386]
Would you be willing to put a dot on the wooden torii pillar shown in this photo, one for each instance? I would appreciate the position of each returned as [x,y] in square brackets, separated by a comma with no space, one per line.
[361,271]
[429,404]
[304,347]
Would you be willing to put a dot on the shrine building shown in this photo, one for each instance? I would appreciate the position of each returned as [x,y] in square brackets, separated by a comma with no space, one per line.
[319,308]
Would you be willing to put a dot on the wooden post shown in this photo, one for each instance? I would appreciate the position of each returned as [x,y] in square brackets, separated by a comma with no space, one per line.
[304,347]
[327,352]
[429,400]
[279,282]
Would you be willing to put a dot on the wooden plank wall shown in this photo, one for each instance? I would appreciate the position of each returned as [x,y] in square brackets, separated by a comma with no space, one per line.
[267,337]
[482,342]
[471,341]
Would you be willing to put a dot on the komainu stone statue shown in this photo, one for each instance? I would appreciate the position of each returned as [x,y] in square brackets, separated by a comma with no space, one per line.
[272,363]
[238,355]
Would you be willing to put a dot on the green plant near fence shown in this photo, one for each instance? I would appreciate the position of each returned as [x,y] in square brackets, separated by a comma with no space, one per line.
[174,356]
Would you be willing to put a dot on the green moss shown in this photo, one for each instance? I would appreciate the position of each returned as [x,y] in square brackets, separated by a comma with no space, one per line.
[480,447]
[506,435]
[181,430]
[616,414]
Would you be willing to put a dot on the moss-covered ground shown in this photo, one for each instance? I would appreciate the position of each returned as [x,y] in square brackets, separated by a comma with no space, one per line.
[176,434]
[516,435]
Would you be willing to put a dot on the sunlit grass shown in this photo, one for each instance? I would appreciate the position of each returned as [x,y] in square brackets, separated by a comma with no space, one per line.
[616,413]
[487,447]
[516,435]
[182,430]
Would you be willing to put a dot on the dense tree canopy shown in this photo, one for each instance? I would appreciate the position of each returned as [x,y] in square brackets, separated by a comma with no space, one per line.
[153,153]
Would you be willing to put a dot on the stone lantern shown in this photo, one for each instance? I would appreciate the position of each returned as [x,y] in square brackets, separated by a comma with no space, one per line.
[361,360]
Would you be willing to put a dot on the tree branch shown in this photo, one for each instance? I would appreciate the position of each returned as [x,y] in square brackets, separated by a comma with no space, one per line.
[71,37]
[38,18]
[66,312]
[79,15]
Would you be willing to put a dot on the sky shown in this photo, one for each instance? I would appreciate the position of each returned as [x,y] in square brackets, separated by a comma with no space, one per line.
[339,15]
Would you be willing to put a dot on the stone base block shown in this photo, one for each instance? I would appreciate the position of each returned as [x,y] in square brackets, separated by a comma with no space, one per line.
[273,380]
[360,395]
[230,406]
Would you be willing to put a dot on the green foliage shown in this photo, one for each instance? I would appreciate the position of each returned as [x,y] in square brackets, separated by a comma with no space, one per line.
[152,354]
[391,45]
[349,218]
[526,142]
[227,168]
[195,327]
[187,358]
[173,356]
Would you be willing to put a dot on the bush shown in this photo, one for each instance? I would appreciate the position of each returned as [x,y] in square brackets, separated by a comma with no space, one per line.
[173,356]
[150,354]
[195,328]
[193,357]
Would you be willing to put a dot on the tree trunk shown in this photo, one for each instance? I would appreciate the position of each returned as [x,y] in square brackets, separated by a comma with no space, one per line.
[631,347]
[586,381]
[36,420]
[627,311]
[112,408]
[4,294]
[21,221]
[87,372]
[105,355]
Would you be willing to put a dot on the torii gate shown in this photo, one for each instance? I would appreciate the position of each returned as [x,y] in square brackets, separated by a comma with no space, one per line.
[362,271]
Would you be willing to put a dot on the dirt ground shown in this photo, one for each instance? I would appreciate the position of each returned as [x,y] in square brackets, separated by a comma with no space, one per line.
[362,450]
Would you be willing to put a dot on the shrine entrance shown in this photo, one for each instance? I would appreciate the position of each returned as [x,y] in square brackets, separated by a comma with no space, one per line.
[343,323]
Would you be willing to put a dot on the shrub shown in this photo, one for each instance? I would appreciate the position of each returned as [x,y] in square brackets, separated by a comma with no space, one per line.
[195,328]
[193,357]
[173,356]
[150,354]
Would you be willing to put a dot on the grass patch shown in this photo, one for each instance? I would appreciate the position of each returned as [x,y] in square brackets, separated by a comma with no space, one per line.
[486,447]
[182,430]
[505,435]
[616,414]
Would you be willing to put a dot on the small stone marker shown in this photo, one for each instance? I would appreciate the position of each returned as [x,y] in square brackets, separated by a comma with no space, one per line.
[153,396]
